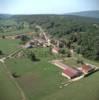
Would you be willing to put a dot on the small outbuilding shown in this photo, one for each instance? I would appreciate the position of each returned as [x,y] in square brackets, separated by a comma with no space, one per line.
[55,50]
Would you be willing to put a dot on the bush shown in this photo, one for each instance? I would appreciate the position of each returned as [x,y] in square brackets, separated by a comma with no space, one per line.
[15,75]
[1,53]
[79,61]
[32,56]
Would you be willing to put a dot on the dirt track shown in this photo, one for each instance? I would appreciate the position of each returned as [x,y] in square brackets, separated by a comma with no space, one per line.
[59,64]
[2,60]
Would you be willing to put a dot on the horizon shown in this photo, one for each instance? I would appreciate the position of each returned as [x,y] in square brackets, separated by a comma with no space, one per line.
[29,7]
[48,13]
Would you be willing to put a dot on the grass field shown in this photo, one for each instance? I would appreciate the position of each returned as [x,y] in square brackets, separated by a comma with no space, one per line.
[72,61]
[41,80]
[8,90]
[8,46]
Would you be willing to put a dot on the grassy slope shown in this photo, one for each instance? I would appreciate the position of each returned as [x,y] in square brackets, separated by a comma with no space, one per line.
[8,46]
[41,80]
[8,90]
[38,79]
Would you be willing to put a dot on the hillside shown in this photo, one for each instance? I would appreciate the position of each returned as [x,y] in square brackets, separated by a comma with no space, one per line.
[28,72]
[92,14]
[79,33]
[5,16]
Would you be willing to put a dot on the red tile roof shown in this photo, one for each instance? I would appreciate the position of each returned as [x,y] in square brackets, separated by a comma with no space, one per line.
[72,72]
[86,68]
[55,48]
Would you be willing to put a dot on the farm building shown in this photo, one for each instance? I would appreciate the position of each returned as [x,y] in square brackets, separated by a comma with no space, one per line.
[75,73]
[86,69]
[55,50]
[71,73]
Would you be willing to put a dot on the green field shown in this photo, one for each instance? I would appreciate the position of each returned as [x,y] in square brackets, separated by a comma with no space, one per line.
[72,61]
[8,89]
[41,80]
[8,46]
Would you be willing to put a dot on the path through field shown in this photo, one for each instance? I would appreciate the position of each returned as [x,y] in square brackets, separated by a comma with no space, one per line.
[2,60]
[14,81]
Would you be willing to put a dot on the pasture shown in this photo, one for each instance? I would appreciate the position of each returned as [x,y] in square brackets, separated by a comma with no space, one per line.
[8,89]
[7,46]
[41,80]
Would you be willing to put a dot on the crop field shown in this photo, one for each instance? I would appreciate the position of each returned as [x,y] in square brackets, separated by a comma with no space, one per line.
[41,80]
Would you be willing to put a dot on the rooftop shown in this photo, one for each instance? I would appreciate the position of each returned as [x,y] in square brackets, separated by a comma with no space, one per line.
[72,72]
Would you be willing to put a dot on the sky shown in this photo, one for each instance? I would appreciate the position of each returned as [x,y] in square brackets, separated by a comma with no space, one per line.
[47,6]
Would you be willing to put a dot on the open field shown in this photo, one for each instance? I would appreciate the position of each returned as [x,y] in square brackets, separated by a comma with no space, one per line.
[72,61]
[29,44]
[8,46]
[8,89]
[41,80]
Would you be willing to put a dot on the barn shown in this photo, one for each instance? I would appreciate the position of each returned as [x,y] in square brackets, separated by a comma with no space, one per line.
[86,69]
[71,73]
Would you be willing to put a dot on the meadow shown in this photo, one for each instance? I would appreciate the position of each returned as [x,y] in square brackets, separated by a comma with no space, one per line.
[8,89]
[41,80]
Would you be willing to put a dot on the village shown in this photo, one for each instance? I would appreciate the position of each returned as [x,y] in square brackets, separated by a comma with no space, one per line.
[49,50]
[44,41]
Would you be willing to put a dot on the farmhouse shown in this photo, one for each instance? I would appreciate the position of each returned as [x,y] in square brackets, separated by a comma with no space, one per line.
[75,73]
[55,50]
[71,73]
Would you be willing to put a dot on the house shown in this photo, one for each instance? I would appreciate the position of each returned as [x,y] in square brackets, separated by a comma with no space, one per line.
[55,50]
[71,73]
[28,45]
[86,69]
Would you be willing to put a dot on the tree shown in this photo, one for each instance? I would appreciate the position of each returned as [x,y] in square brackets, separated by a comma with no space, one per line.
[24,39]
[32,56]
[65,52]
[3,36]
[1,53]
[80,61]
[15,75]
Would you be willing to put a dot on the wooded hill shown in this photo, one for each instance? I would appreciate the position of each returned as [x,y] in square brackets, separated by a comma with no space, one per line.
[80,33]
[92,14]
